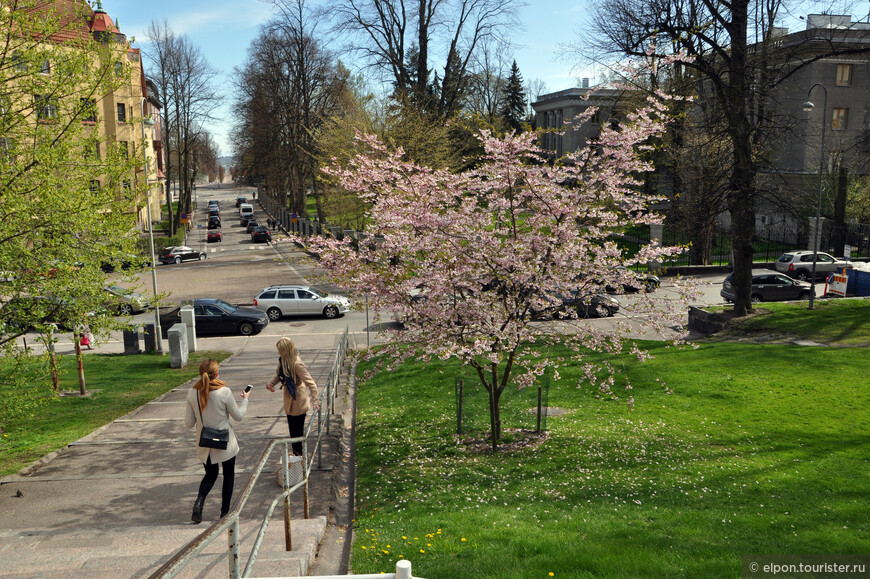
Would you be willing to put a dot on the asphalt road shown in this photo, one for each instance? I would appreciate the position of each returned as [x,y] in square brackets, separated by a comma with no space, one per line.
[236,270]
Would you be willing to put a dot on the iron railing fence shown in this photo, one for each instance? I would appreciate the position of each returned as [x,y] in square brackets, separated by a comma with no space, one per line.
[230,523]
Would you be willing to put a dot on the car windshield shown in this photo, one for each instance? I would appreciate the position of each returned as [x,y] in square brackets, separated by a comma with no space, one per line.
[224,305]
[785,257]
[118,290]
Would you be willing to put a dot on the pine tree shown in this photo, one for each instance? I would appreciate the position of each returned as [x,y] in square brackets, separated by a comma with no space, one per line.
[514,102]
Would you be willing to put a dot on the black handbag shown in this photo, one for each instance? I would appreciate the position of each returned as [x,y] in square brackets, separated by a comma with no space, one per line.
[212,437]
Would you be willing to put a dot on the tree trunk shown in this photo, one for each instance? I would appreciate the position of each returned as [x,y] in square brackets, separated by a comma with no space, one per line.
[741,196]
[77,337]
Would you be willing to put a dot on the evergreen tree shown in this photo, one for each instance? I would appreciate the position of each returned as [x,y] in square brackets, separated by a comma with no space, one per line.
[514,102]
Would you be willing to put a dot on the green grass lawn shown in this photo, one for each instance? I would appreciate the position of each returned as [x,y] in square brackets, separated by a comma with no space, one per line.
[730,449]
[120,384]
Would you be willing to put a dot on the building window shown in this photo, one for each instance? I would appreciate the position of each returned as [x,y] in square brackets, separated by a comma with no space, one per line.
[92,151]
[844,74]
[122,113]
[122,149]
[18,62]
[119,69]
[838,121]
[45,67]
[46,107]
[89,110]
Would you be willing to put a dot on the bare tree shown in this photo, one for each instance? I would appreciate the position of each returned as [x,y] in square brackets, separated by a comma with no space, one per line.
[407,38]
[285,90]
[738,60]
[491,66]
[185,79]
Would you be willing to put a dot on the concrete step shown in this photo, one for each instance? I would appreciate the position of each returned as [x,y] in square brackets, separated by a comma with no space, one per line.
[139,551]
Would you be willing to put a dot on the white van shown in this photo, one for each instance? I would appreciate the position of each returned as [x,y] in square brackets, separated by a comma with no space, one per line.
[246,211]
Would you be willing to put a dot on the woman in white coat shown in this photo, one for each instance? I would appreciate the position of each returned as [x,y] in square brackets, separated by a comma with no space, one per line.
[210,402]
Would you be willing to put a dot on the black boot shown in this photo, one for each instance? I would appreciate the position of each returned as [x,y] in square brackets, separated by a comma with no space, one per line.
[196,517]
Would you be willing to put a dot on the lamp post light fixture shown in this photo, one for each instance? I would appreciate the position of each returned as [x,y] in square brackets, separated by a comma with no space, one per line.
[809,106]
[158,330]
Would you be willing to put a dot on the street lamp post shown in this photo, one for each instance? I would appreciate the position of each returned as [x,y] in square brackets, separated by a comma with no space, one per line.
[808,106]
[158,330]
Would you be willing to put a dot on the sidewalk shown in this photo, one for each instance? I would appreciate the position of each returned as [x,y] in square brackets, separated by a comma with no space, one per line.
[117,503]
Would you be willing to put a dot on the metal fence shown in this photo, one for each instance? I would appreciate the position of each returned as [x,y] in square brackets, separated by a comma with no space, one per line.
[769,243]
[525,409]
[230,522]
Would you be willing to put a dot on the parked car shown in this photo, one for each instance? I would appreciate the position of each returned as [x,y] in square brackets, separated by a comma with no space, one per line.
[799,264]
[214,235]
[180,253]
[295,300]
[23,313]
[770,286]
[637,281]
[597,305]
[125,302]
[214,212]
[240,200]
[252,224]
[261,234]
[246,212]
[214,222]
[215,202]
[217,317]
[124,263]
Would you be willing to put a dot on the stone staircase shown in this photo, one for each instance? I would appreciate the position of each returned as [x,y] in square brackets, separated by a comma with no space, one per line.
[139,551]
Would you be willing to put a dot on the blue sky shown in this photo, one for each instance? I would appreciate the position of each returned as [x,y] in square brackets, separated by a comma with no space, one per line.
[223,30]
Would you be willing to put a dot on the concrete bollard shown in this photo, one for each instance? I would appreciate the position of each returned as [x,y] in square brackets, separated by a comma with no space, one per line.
[189,320]
[177,335]
[131,342]
[150,338]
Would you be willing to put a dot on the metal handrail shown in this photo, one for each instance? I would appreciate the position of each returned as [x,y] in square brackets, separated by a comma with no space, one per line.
[230,522]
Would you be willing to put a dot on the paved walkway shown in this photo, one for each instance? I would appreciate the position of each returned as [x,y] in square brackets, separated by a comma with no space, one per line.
[117,503]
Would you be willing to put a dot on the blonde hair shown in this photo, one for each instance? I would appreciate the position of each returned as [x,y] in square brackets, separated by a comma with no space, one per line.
[288,356]
[208,380]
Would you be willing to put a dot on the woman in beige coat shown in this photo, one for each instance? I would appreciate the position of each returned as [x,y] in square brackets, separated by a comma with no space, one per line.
[210,402]
[298,403]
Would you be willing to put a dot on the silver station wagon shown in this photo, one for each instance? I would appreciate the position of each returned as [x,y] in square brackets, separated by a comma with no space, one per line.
[299,300]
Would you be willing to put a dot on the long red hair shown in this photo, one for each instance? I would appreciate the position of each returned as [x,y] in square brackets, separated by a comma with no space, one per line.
[208,380]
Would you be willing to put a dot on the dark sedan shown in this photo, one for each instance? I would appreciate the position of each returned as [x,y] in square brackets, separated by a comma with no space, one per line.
[596,305]
[217,317]
[180,253]
[251,225]
[27,312]
[261,234]
[770,286]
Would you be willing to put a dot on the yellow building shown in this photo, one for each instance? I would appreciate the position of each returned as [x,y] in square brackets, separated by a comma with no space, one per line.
[121,114]
[129,114]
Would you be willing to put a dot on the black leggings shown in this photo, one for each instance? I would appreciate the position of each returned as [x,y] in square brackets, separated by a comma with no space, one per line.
[211,474]
[297,428]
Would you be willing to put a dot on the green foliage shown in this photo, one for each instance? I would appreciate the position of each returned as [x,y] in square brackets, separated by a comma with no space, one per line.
[725,452]
[35,421]
[63,208]
[858,200]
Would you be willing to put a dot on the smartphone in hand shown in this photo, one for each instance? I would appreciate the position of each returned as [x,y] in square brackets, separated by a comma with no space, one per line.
[248,387]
